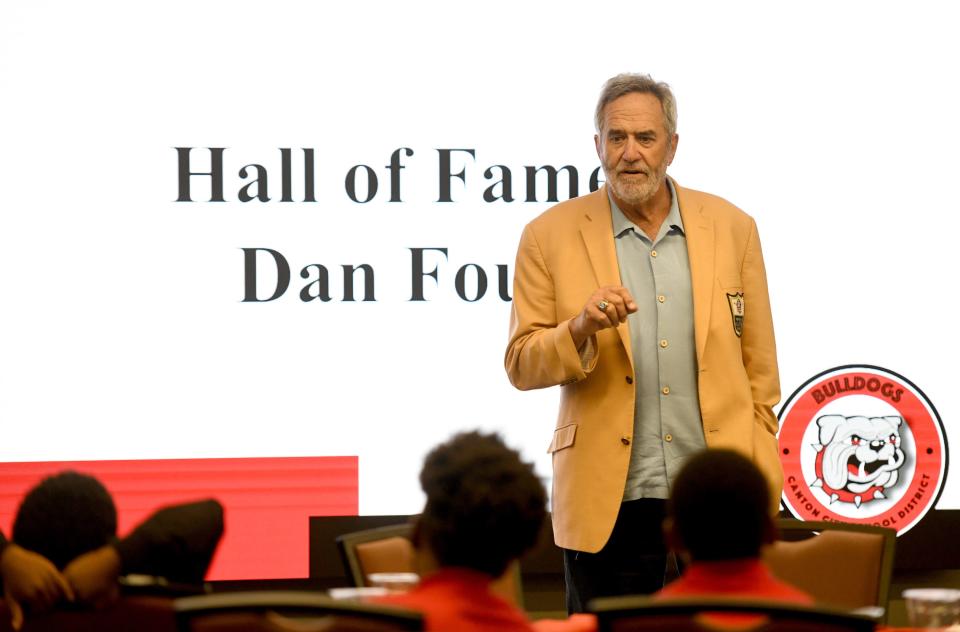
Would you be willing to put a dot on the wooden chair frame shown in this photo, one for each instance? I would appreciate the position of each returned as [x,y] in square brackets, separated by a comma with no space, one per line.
[304,603]
[612,612]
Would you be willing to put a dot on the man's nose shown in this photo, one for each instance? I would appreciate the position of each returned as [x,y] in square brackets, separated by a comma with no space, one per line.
[631,151]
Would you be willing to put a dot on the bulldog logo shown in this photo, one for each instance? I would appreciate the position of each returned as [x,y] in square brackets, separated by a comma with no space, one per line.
[858,457]
[861,444]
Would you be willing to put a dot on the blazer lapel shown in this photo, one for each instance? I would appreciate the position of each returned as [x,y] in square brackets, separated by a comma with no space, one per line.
[596,228]
[701,253]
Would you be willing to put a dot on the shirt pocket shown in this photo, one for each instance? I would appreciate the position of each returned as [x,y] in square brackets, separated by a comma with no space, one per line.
[563,437]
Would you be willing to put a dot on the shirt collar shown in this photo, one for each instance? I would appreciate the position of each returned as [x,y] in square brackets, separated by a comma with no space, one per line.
[741,568]
[621,224]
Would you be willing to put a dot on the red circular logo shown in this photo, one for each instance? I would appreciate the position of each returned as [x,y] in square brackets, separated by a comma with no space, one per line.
[861,444]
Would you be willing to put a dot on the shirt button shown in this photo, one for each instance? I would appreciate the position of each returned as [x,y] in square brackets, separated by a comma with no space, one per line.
[668,438]
[663,344]
[629,379]
[653,253]
[661,298]
[665,390]
[625,440]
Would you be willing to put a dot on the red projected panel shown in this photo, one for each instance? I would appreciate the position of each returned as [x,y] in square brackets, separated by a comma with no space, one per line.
[267,501]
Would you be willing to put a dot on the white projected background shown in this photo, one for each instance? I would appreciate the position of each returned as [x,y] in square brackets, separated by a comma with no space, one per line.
[124,334]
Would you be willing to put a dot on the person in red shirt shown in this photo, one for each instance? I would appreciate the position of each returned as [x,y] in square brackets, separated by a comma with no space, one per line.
[717,521]
[484,509]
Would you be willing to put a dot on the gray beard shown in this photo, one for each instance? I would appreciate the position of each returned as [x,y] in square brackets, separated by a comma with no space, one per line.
[638,194]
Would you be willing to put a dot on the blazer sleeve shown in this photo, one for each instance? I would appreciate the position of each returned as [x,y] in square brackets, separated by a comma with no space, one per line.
[175,542]
[540,352]
[758,345]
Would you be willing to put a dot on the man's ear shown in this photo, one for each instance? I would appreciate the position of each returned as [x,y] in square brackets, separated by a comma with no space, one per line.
[596,142]
[424,561]
[770,532]
[673,148]
[416,531]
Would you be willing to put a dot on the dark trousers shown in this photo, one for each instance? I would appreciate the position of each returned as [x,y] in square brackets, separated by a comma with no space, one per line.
[632,562]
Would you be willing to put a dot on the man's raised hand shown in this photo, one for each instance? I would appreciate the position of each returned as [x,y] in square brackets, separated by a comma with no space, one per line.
[607,307]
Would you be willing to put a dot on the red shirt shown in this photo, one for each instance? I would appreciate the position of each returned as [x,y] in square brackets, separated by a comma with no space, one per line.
[748,578]
[459,600]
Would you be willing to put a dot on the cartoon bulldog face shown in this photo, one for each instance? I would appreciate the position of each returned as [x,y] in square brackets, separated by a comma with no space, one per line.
[860,453]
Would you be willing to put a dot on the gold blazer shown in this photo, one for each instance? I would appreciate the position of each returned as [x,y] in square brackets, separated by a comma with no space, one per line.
[568,252]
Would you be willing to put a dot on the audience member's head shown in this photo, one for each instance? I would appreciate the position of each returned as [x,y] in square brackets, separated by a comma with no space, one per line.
[484,505]
[719,508]
[64,516]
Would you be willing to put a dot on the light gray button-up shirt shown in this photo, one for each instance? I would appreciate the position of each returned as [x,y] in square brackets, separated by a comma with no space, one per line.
[667,427]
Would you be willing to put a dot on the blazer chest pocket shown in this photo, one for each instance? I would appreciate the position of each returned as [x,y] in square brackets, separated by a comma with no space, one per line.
[563,437]
[731,284]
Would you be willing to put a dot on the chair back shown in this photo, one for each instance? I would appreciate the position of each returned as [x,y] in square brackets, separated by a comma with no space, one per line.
[642,614]
[845,566]
[288,611]
[379,550]
[389,550]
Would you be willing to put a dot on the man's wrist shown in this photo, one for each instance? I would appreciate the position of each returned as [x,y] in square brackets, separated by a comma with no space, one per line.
[579,337]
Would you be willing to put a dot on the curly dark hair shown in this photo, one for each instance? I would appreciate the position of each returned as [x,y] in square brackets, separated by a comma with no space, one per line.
[720,506]
[64,516]
[485,506]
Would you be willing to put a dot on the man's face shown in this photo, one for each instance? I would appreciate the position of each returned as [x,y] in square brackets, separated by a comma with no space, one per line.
[634,147]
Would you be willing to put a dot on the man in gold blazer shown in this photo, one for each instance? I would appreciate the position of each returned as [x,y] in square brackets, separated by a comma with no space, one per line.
[647,303]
